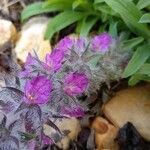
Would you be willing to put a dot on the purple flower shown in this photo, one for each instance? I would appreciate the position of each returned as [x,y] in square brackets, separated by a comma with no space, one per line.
[74,111]
[101,42]
[65,44]
[75,83]
[53,61]
[37,90]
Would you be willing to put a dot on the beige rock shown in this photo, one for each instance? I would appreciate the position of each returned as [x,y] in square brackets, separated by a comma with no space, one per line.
[32,38]
[72,125]
[133,105]
[105,134]
[7,32]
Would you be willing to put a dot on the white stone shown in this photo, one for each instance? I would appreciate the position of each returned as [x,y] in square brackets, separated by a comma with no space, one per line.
[7,32]
[32,38]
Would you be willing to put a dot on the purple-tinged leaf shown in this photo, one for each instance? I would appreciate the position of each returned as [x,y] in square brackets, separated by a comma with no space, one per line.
[53,125]
[21,107]
[10,143]
[3,120]
[16,127]
[33,119]
[25,137]
[17,91]
[7,107]
[73,111]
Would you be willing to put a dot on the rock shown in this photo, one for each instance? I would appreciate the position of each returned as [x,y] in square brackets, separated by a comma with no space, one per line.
[131,105]
[72,125]
[32,38]
[105,134]
[7,32]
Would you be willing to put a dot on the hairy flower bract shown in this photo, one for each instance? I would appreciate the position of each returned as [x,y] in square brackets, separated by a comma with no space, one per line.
[53,61]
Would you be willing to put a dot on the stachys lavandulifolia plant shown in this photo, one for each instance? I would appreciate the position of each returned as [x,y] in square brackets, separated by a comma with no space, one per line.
[49,90]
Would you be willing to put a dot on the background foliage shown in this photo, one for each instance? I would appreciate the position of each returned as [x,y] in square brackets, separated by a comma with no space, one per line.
[131,17]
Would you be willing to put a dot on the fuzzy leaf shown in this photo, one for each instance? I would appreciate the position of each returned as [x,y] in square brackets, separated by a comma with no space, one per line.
[33,119]
[21,107]
[17,91]
[10,143]
[61,21]
[3,120]
[50,123]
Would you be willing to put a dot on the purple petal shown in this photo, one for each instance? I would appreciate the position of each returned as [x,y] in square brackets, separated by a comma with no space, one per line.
[65,44]
[101,42]
[37,90]
[75,83]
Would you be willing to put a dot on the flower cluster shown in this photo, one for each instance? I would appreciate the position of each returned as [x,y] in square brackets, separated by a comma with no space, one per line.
[50,89]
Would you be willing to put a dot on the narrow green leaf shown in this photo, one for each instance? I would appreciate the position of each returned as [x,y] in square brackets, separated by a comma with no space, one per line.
[33,9]
[61,21]
[140,56]
[130,15]
[129,44]
[61,4]
[113,29]
[105,9]
[143,3]
[82,5]
[145,18]
[98,1]
[87,24]
[145,69]
[137,78]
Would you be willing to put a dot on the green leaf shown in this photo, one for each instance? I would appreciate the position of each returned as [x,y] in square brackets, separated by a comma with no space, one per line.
[98,1]
[143,3]
[82,5]
[140,56]
[129,44]
[58,4]
[130,15]
[33,9]
[145,69]
[87,24]
[113,29]
[104,9]
[61,21]
[145,18]
[137,78]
